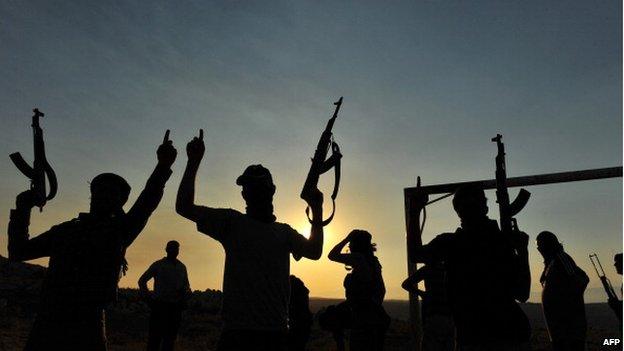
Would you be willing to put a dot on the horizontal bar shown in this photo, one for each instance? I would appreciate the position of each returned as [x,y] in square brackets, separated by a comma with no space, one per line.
[539,179]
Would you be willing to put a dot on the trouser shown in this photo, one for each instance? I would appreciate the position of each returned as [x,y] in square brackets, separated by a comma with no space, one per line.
[568,345]
[438,333]
[68,328]
[256,340]
[164,323]
[496,346]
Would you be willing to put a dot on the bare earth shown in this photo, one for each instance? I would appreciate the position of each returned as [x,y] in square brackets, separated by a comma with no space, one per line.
[127,319]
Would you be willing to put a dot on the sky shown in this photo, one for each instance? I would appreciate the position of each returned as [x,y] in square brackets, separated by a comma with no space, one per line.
[426,85]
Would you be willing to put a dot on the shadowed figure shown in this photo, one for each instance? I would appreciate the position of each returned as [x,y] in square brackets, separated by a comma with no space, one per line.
[364,290]
[86,257]
[615,303]
[171,292]
[563,285]
[487,271]
[256,285]
[299,315]
[437,321]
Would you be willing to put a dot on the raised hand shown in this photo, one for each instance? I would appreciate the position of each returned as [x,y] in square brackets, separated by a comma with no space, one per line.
[314,198]
[26,200]
[166,152]
[195,148]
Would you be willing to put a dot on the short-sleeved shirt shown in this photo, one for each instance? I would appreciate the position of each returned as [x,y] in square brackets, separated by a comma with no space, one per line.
[256,285]
[481,271]
[170,280]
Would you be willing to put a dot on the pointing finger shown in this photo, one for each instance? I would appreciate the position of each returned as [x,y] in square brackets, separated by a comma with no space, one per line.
[201,134]
[166,138]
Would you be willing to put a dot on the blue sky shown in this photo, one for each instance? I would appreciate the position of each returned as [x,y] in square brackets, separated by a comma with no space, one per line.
[426,85]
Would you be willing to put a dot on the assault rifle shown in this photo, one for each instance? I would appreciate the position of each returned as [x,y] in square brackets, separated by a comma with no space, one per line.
[321,165]
[41,169]
[606,283]
[507,210]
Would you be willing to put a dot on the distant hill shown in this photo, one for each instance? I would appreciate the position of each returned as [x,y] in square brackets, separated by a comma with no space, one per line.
[127,319]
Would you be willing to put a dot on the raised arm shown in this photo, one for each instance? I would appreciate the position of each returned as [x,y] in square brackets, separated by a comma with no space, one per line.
[313,247]
[336,254]
[20,246]
[150,197]
[185,201]
[416,251]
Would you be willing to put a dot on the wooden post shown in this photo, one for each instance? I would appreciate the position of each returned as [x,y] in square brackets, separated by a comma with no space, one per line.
[421,193]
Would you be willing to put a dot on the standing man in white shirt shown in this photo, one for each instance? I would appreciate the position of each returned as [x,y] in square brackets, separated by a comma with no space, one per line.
[257,265]
[171,291]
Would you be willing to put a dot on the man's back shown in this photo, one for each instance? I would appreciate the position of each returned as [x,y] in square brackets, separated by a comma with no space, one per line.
[257,268]
[170,280]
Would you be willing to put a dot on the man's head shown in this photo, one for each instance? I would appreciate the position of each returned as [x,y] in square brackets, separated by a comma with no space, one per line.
[470,203]
[172,249]
[257,183]
[548,244]
[617,259]
[109,192]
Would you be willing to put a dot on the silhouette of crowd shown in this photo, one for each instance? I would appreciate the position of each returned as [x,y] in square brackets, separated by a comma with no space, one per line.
[475,278]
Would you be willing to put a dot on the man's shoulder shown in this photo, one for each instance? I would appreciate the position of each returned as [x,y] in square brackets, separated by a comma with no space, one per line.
[283,226]
[216,211]
[443,238]
[67,226]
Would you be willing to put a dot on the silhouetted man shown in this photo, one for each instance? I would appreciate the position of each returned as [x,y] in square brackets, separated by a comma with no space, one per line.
[299,315]
[563,285]
[257,248]
[86,257]
[437,322]
[487,272]
[615,303]
[171,292]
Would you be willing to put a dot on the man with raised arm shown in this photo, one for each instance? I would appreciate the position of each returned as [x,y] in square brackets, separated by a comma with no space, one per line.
[487,271]
[86,257]
[257,248]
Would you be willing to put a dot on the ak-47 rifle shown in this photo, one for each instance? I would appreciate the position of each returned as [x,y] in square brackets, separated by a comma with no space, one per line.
[507,210]
[40,169]
[321,165]
[606,283]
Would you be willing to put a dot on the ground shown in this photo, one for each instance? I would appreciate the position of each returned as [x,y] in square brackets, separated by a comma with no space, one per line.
[127,319]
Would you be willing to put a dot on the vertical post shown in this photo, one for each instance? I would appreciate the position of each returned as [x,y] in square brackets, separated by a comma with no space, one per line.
[417,200]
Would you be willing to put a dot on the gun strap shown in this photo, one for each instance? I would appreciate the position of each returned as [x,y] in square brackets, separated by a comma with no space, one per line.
[51,180]
[336,152]
[334,161]
[329,219]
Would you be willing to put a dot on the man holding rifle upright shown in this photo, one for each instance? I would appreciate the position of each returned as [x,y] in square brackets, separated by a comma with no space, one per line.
[257,247]
[86,256]
[486,274]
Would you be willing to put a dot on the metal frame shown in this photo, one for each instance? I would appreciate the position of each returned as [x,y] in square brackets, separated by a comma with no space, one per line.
[421,196]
